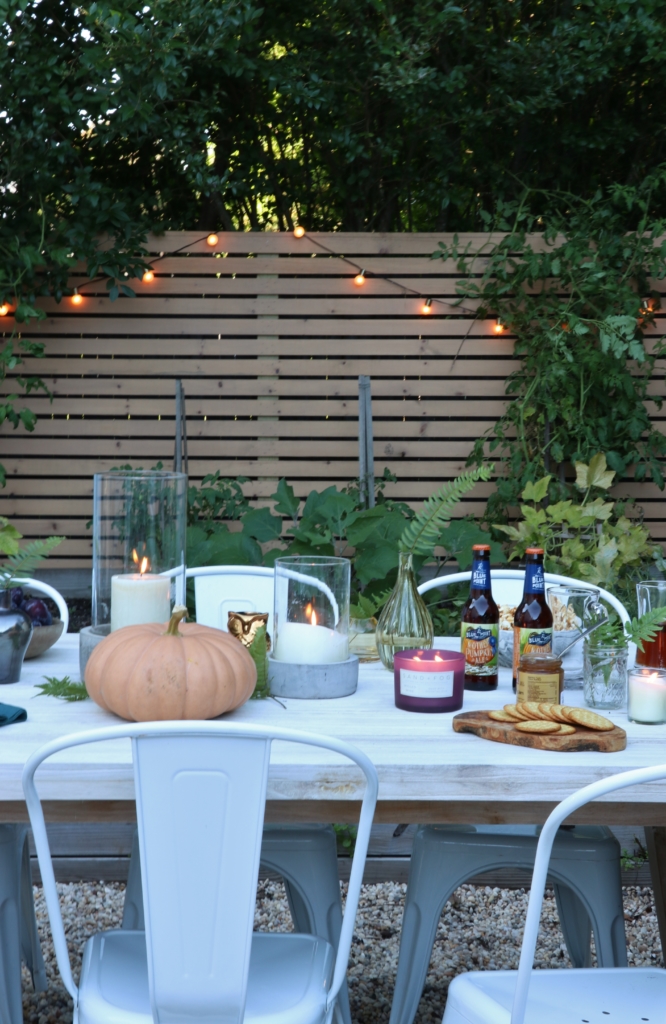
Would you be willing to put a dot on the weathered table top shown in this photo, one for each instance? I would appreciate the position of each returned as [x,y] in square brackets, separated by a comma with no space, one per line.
[427,772]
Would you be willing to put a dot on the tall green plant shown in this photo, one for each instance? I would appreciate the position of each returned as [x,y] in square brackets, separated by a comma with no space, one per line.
[579,300]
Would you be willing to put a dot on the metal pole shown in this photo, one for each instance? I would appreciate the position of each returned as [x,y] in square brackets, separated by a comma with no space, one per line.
[178,441]
[186,467]
[369,448]
[362,442]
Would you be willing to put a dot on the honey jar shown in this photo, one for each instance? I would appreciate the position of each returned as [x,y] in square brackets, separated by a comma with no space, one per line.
[540,679]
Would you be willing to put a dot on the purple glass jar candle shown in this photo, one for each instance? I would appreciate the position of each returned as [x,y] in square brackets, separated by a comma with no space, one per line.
[429,680]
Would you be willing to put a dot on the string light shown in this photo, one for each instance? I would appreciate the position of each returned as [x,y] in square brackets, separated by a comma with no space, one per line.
[360,278]
[426,307]
[148,277]
[212,239]
[299,231]
[76,298]
[4,309]
[499,326]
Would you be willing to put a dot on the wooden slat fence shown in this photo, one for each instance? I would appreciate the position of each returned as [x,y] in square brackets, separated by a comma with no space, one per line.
[269,334]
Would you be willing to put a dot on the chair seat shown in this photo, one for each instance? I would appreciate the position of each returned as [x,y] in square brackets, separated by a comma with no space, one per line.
[616,995]
[289,979]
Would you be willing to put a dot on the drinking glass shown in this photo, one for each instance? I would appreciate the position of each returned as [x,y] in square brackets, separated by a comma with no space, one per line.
[574,610]
[652,594]
[605,680]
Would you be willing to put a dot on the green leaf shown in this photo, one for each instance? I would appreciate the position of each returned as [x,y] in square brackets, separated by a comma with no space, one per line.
[537,491]
[595,474]
[22,564]
[458,537]
[261,524]
[286,502]
[420,534]
[258,650]
[63,689]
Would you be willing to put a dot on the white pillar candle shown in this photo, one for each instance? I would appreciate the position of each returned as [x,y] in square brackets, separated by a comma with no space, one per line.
[303,644]
[647,696]
[137,598]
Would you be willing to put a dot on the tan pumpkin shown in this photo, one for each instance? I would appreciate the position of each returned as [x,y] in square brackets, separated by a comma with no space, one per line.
[152,673]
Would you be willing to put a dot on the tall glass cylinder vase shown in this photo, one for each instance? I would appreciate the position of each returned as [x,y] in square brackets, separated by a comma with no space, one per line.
[139,522]
[311,620]
[405,623]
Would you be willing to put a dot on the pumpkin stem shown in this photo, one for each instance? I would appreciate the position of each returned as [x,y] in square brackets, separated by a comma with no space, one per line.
[179,613]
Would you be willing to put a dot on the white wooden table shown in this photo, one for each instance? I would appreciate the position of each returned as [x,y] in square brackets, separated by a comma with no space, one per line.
[427,772]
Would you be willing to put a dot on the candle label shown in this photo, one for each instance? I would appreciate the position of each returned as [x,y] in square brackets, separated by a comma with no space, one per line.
[479,645]
[426,684]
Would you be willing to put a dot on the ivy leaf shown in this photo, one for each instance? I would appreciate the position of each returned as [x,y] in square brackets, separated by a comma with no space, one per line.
[537,491]
[595,474]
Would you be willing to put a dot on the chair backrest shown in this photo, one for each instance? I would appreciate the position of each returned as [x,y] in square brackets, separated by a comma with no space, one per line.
[200,797]
[508,586]
[544,848]
[220,589]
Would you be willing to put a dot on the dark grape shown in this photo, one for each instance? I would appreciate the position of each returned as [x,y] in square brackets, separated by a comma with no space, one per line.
[37,611]
[17,596]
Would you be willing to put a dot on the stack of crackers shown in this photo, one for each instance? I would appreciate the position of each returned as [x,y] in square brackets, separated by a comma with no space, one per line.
[550,719]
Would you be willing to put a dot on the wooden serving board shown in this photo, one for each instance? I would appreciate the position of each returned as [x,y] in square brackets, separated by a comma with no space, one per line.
[480,724]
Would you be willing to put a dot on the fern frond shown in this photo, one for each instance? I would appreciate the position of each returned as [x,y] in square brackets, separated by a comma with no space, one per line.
[422,532]
[25,561]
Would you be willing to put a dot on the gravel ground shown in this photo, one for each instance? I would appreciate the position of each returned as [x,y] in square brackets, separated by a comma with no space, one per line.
[481,928]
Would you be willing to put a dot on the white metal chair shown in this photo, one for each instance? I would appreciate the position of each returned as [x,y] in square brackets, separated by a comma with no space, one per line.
[18,926]
[585,871]
[200,798]
[304,855]
[55,595]
[525,996]
[510,589]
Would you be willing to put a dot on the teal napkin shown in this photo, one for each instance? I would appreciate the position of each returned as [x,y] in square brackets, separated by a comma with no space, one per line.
[10,714]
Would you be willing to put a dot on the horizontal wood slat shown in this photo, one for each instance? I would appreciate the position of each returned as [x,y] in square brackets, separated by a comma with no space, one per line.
[269,334]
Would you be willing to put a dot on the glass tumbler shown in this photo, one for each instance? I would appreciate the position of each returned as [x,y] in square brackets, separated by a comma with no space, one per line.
[139,522]
[574,610]
[605,675]
[650,595]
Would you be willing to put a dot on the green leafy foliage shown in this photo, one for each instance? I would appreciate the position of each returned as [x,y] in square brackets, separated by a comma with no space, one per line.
[9,537]
[591,540]
[23,562]
[572,278]
[259,653]
[422,533]
[63,689]
[637,630]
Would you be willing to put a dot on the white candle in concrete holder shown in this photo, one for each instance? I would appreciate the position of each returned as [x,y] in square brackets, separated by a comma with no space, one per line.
[647,696]
[306,643]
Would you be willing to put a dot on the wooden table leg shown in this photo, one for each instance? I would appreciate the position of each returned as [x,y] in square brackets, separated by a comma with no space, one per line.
[655,842]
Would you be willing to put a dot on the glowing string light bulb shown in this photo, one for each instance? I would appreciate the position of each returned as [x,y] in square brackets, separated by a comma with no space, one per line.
[148,277]
[76,298]
[212,239]
[4,309]
[426,307]
[299,231]
[360,278]
[499,327]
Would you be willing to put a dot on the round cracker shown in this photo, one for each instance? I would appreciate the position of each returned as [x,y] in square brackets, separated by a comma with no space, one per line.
[589,719]
[538,728]
[556,713]
[546,712]
[531,709]
[501,716]
[566,730]
[517,712]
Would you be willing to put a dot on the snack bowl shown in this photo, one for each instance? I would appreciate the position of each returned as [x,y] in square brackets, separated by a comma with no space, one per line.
[505,648]
[43,637]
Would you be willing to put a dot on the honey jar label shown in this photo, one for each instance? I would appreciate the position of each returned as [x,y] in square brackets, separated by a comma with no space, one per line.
[531,641]
[541,687]
[479,646]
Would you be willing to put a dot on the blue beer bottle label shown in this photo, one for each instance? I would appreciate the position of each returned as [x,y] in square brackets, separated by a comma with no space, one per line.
[480,574]
[534,581]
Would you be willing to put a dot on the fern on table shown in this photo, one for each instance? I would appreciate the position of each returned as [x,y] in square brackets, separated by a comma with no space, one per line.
[421,533]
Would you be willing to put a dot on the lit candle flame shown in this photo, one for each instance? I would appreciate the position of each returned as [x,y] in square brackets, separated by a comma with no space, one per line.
[313,617]
[143,563]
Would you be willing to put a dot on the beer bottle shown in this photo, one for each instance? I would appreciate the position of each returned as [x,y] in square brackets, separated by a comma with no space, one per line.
[533,621]
[480,625]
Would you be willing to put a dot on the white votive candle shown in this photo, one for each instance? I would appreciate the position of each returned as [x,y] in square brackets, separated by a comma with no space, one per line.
[647,696]
[302,644]
[139,597]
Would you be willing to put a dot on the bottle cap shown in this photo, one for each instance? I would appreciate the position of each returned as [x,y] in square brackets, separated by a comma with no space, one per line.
[533,551]
[480,547]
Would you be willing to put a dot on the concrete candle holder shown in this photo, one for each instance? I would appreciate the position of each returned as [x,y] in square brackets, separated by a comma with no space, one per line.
[313,682]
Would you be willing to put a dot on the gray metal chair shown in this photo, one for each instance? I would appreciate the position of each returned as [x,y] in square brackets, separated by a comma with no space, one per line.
[18,925]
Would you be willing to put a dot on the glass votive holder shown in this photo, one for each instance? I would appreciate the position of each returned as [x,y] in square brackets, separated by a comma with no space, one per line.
[429,680]
[139,523]
[311,621]
[647,696]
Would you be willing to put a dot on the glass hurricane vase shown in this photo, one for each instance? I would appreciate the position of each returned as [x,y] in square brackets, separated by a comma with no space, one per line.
[405,623]
[605,675]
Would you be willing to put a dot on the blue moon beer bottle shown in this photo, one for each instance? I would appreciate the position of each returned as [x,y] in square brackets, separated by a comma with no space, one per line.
[480,625]
[533,621]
